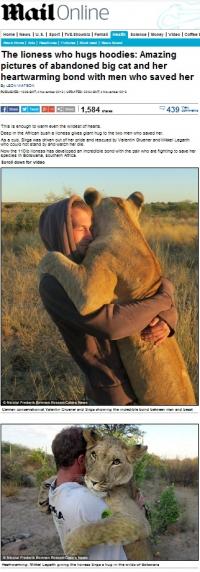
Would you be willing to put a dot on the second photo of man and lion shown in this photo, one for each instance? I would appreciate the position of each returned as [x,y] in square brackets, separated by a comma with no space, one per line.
[101,492]
[100,286]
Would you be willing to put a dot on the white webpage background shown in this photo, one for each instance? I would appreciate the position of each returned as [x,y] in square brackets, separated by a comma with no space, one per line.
[160,15]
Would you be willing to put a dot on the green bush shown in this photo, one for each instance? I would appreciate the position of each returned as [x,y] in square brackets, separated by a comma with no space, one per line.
[44,473]
[25,467]
[5,448]
[148,467]
[140,469]
[164,511]
[37,456]
[11,471]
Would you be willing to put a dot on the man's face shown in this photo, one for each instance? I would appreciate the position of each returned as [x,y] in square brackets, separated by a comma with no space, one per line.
[82,223]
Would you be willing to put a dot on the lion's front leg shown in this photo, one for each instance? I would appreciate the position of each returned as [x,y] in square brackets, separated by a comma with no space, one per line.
[117,529]
[88,288]
[71,276]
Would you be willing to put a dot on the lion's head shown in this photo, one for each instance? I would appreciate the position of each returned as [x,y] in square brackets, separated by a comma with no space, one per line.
[105,209]
[109,462]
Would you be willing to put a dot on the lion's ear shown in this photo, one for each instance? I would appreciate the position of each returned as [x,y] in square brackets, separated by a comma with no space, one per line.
[91,436]
[92,197]
[138,200]
[136,452]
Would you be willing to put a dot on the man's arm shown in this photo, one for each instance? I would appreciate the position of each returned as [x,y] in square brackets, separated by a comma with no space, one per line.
[162,326]
[112,321]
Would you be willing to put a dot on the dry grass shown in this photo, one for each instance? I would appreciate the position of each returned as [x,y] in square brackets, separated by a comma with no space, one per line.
[10,489]
[170,230]
[177,251]
[36,363]
[189,503]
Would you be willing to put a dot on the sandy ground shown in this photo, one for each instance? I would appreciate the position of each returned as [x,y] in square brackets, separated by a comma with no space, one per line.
[20,515]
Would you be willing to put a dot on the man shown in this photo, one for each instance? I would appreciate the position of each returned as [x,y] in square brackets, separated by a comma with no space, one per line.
[66,226]
[72,504]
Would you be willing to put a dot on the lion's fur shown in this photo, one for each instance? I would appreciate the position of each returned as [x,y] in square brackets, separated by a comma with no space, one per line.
[128,524]
[119,265]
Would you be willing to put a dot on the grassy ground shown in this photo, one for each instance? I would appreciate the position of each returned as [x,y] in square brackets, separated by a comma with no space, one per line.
[176,245]
[35,362]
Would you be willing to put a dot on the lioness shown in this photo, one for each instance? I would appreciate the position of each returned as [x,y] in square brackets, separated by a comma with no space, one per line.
[157,374]
[109,471]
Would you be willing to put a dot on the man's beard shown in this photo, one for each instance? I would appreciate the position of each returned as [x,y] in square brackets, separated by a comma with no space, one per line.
[78,255]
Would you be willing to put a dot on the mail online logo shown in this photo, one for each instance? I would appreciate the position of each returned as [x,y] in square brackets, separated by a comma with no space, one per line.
[48,12]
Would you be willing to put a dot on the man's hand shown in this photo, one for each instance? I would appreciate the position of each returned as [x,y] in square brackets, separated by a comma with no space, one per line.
[140,500]
[157,331]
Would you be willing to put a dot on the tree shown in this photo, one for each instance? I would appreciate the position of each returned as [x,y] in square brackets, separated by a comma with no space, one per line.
[55,197]
[125,431]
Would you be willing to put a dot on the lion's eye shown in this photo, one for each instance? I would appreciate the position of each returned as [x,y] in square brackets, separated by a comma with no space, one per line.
[116,462]
[93,455]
